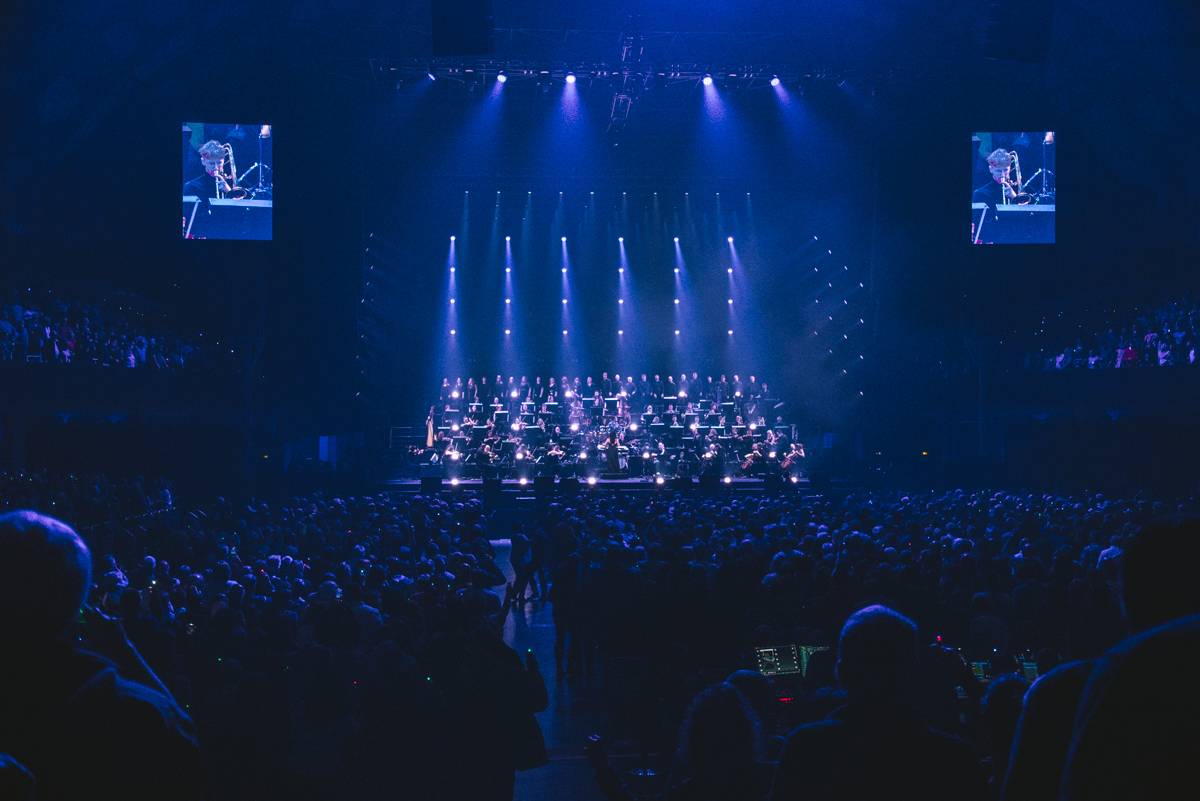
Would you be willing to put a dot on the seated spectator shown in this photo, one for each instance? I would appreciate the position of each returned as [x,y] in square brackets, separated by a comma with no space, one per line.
[876,746]
[16,782]
[719,748]
[1000,710]
[1157,586]
[1135,732]
[68,715]
[718,756]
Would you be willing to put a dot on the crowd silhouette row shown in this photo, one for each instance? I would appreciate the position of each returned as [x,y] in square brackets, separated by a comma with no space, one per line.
[1164,336]
[351,647]
[47,327]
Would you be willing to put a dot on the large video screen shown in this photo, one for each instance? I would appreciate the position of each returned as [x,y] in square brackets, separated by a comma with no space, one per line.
[227,180]
[1012,187]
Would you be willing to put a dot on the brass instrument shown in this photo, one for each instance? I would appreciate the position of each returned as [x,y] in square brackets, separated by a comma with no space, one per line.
[1014,194]
[218,160]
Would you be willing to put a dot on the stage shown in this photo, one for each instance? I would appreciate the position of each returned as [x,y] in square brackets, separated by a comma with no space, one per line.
[569,486]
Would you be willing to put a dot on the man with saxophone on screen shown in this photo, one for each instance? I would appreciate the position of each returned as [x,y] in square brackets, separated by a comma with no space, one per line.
[1004,188]
[220,173]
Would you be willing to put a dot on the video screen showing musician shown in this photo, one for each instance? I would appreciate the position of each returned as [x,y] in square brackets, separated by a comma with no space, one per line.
[227,183]
[1013,187]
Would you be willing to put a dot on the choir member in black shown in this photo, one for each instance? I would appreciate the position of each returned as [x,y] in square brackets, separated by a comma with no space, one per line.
[656,387]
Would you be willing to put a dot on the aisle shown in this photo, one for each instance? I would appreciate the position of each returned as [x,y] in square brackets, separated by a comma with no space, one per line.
[573,714]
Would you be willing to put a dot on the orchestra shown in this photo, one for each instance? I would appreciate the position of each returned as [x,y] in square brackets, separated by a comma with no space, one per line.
[561,426]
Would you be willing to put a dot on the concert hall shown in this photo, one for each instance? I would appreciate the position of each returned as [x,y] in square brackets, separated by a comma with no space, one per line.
[632,400]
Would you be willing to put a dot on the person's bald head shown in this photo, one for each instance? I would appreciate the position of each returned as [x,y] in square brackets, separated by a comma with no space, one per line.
[45,573]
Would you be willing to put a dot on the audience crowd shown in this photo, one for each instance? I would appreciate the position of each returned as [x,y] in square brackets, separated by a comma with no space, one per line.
[45,327]
[1165,336]
[333,647]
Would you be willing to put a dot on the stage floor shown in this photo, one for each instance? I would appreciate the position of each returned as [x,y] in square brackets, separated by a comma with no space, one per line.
[515,486]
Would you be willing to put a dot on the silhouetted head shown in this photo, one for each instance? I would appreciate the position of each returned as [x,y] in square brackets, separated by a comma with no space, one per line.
[1000,709]
[756,688]
[1158,573]
[877,652]
[720,733]
[45,573]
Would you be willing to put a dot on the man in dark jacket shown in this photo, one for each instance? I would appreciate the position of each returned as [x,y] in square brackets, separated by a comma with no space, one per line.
[876,746]
[68,715]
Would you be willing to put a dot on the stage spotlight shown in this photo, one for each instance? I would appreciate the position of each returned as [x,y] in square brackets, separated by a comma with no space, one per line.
[659,480]
[645,454]
[771,454]
[729,270]
[694,426]
[454,394]
[520,456]
[706,80]
[621,270]
[774,82]
[795,479]
[676,332]
[730,301]
[451,238]
[512,394]
[456,426]
[515,426]
[583,456]
[508,269]
[564,301]
[501,77]
[453,331]
[564,270]
[454,456]
[729,332]
[568,394]
[620,301]
[591,481]
[729,239]
[574,427]
[564,332]
[431,76]
[676,301]
[621,239]
[454,482]
[621,332]
[570,77]
[522,481]
[633,426]
[564,239]
[677,240]
[754,426]
[451,301]
[737,394]
[677,273]
[728,480]
[507,301]
[508,239]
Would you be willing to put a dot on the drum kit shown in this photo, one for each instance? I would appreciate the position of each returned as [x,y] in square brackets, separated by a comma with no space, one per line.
[1016,189]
